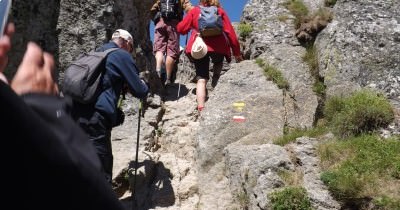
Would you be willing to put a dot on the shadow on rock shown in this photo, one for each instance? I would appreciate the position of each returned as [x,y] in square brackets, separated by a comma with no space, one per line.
[152,186]
[175,91]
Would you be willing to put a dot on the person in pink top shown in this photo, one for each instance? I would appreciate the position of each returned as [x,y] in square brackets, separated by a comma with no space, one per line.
[219,47]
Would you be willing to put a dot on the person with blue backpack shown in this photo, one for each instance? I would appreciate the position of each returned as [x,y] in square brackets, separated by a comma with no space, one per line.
[211,23]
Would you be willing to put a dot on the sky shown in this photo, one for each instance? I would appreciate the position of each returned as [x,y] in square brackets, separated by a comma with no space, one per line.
[234,8]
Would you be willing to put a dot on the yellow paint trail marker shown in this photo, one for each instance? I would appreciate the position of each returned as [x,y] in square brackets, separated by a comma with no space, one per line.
[239,106]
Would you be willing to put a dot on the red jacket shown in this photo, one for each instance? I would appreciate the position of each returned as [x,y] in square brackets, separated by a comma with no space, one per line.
[218,44]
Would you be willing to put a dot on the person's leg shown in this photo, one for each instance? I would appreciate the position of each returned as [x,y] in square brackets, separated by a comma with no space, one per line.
[201,93]
[159,62]
[104,151]
[160,44]
[202,76]
[169,66]
[217,60]
[172,49]
[102,143]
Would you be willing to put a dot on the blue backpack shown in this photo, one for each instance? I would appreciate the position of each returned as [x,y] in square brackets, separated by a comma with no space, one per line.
[210,22]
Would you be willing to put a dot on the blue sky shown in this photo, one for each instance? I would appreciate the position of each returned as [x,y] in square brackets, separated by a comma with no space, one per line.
[234,9]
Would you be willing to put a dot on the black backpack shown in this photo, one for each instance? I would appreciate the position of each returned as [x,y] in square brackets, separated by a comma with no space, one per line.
[83,76]
[169,9]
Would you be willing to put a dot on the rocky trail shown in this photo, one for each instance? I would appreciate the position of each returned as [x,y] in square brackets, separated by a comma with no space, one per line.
[166,176]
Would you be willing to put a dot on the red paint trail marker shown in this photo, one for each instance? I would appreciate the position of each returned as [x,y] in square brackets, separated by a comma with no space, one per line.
[239,119]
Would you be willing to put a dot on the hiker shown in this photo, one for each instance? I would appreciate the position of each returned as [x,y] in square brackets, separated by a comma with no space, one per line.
[219,47]
[97,119]
[50,158]
[166,38]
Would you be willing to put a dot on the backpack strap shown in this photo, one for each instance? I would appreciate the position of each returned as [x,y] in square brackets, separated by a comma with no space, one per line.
[111,50]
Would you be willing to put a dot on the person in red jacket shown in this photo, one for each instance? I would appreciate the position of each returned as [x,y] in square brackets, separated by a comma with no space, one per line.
[219,47]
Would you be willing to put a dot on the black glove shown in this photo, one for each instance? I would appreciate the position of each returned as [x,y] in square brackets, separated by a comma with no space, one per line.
[120,117]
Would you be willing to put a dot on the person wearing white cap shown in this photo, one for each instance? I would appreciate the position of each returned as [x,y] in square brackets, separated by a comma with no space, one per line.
[98,119]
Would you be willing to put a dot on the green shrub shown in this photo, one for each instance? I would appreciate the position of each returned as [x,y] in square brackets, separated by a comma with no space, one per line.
[386,202]
[396,171]
[333,106]
[298,9]
[342,184]
[244,29]
[293,198]
[363,111]
[355,168]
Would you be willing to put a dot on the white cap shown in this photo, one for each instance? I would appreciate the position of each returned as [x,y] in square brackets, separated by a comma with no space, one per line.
[121,33]
[199,48]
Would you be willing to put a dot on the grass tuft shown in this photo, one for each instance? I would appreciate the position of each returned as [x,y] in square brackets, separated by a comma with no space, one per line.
[294,198]
[311,58]
[273,74]
[244,30]
[298,9]
[362,112]
[355,168]
[292,135]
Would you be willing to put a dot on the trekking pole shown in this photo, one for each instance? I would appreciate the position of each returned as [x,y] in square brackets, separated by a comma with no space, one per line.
[179,86]
[134,201]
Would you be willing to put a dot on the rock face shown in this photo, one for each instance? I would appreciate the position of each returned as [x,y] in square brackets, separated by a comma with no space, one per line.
[243,83]
[67,28]
[35,21]
[224,158]
[361,47]
[275,42]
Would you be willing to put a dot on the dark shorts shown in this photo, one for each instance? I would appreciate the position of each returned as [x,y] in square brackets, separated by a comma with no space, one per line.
[166,38]
[202,66]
